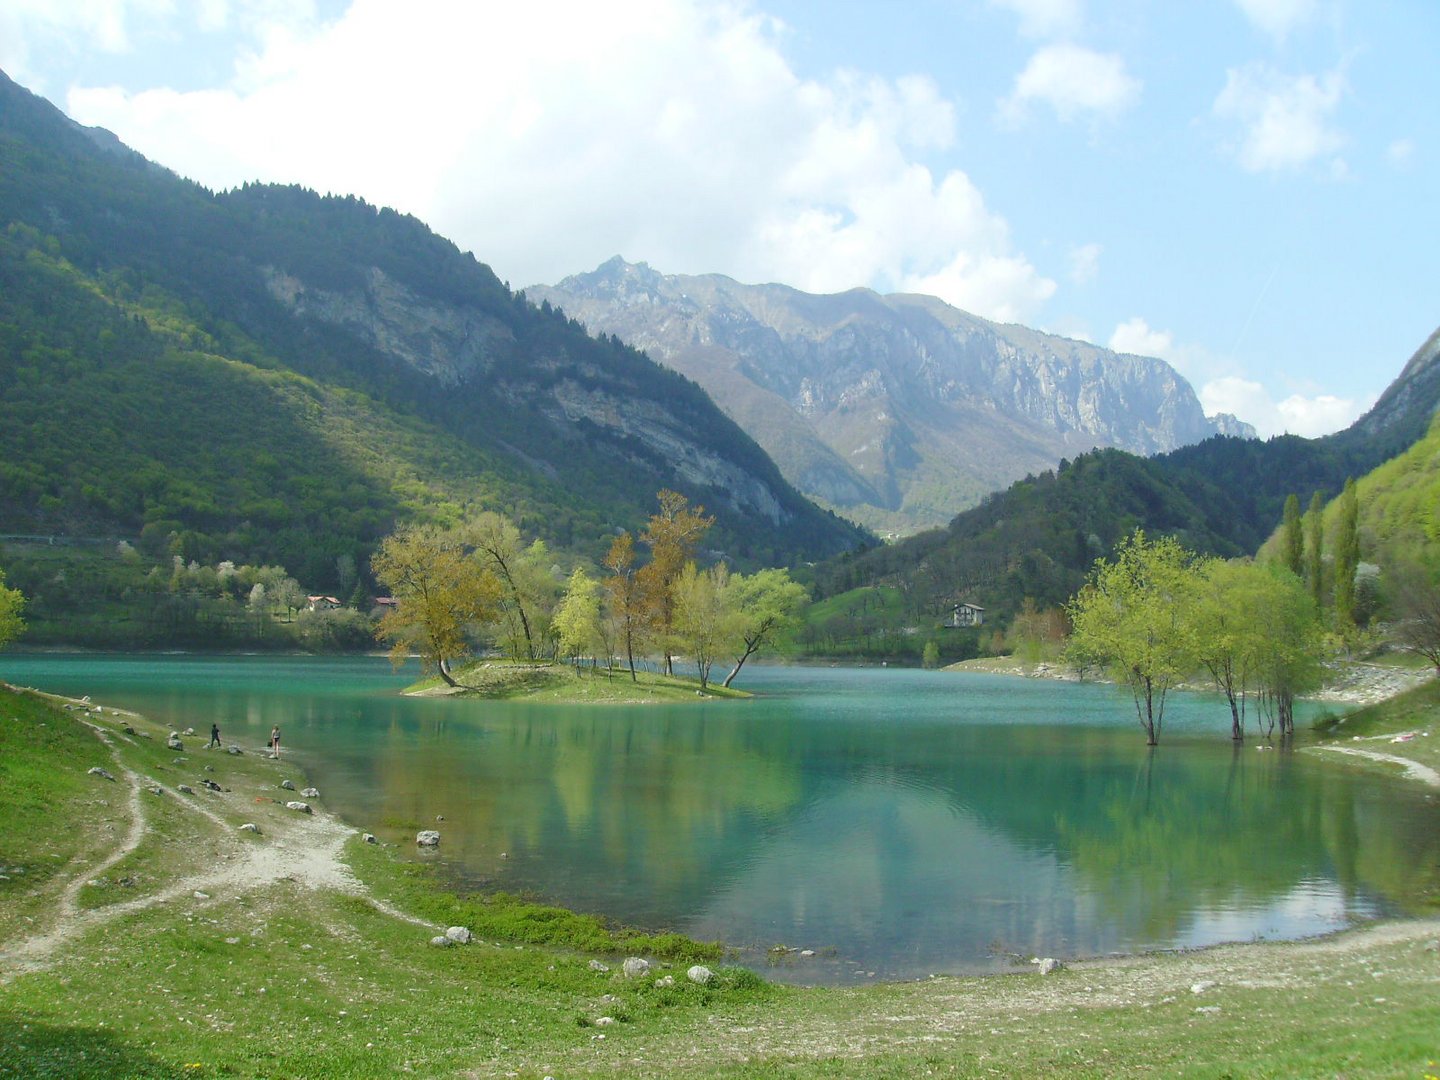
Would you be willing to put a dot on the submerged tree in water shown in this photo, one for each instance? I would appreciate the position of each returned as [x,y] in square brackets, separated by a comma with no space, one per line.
[1134,619]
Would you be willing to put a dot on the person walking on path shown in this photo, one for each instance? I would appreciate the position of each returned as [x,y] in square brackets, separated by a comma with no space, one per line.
[275,741]
[214,735]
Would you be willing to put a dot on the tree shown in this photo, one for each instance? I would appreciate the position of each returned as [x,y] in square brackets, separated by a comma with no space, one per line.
[577,616]
[1314,553]
[1293,537]
[1347,556]
[1133,618]
[1254,627]
[765,603]
[673,536]
[1287,632]
[12,604]
[1035,634]
[628,609]
[439,591]
[1224,630]
[702,612]
[524,584]
[1415,600]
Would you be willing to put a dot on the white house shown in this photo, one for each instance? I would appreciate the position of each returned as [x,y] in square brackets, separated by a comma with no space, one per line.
[966,615]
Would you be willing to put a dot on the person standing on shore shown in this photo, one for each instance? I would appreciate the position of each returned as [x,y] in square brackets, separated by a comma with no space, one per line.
[275,741]
[214,735]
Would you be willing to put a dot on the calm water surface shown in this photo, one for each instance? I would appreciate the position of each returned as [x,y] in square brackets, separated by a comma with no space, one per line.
[900,823]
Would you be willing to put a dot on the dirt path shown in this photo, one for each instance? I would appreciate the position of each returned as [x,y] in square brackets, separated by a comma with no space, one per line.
[306,849]
[1413,769]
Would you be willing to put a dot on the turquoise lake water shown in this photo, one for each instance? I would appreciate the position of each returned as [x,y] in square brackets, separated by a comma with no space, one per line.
[899,823]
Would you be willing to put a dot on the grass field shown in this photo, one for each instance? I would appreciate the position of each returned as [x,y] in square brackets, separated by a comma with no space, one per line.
[148,935]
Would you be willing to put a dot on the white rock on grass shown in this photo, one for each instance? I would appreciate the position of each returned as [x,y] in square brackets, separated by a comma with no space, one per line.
[427,838]
[441,941]
[369,838]
[1050,965]
[596,965]
[310,793]
[288,785]
[700,974]
[458,934]
[665,982]
[303,808]
[250,826]
[97,771]
[635,968]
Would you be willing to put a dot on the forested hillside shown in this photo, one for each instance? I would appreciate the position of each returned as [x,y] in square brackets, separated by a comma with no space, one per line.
[1039,538]
[269,376]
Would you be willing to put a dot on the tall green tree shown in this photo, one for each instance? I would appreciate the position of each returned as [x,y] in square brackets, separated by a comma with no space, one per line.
[1314,549]
[1286,637]
[764,604]
[526,587]
[12,604]
[1292,541]
[1133,618]
[702,614]
[577,616]
[1347,555]
[441,592]
[1254,628]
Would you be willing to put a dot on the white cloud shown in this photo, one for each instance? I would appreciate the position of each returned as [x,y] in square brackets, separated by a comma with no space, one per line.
[1286,122]
[1296,414]
[1135,336]
[1278,17]
[1044,18]
[1085,264]
[549,136]
[1074,82]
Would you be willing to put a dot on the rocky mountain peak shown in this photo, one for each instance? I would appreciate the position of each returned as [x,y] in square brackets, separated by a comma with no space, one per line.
[897,410]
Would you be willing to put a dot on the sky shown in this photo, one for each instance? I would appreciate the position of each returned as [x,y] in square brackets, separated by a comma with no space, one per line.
[1243,188]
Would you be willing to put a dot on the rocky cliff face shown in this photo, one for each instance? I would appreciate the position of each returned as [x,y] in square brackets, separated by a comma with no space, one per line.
[588,408]
[898,410]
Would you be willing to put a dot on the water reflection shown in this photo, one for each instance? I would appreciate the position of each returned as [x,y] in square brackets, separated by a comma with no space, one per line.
[895,822]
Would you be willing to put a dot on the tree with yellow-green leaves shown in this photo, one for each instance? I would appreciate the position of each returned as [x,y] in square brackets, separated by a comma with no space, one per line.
[12,603]
[442,593]
[577,625]
[703,614]
[1133,619]
[764,604]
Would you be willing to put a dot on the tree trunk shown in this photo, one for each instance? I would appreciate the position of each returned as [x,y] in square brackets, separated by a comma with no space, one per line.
[444,668]
[739,663]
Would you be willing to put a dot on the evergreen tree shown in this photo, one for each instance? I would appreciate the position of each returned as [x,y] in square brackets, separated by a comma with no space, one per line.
[1347,555]
[1314,549]
[1293,539]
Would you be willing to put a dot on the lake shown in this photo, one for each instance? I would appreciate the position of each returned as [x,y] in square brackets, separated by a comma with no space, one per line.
[899,823]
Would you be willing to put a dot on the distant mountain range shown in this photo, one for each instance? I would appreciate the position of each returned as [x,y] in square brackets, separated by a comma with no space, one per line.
[269,375]
[899,411]
[1225,496]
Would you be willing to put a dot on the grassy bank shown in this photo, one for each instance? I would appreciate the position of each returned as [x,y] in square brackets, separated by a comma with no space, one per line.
[563,684]
[148,935]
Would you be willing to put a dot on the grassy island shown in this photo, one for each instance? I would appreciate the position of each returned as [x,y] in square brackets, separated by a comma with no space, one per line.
[566,684]
[147,930]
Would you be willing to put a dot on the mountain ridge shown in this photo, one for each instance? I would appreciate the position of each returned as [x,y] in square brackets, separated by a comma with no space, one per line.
[899,409]
[509,405]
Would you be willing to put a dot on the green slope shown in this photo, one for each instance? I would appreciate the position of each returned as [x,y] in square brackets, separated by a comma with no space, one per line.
[159,386]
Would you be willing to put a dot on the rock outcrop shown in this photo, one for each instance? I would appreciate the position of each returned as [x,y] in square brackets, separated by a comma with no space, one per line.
[898,410]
